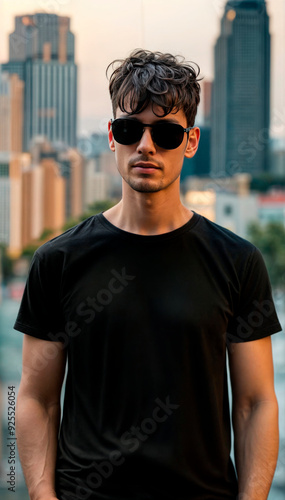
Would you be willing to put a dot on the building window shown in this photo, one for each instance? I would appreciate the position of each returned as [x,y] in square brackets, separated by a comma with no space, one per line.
[228,210]
[4,170]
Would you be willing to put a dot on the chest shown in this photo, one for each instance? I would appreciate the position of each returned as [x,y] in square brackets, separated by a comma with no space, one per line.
[159,291]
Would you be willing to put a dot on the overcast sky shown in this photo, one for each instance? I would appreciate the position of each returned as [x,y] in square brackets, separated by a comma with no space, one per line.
[110,29]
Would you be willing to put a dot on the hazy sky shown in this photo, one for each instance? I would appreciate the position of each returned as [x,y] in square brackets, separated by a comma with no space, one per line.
[110,29]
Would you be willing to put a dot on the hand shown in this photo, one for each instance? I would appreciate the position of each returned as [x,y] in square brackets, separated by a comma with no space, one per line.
[49,498]
[44,496]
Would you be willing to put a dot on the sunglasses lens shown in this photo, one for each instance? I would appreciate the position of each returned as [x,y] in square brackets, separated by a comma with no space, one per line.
[165,135]
[127,131]
[168,135]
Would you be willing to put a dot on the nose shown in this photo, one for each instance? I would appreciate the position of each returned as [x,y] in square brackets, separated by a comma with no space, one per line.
[146,144]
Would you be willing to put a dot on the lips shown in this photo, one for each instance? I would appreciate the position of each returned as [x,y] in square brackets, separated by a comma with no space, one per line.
[145,165]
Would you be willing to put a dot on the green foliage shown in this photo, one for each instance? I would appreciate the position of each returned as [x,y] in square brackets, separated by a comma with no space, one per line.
[270,239]
[6,262]
[46,234]
[71,223]
[101,206]
[93,209]
[29,250]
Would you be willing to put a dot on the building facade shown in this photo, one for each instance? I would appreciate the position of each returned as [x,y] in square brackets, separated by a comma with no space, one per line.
[271,207]
[41,52]
[4,199]
[39,192]
[241,90]
[11,112]
[50,103]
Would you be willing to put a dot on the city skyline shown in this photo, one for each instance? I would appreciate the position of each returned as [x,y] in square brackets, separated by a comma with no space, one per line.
[117,27]
[240,102]
[41,52]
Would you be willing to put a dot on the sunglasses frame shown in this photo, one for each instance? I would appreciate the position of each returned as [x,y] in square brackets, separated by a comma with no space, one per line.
[144,125]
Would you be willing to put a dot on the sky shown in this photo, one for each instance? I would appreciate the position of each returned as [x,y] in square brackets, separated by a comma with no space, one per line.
[109,29]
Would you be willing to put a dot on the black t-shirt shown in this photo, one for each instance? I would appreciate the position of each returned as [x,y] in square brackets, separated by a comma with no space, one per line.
[146,321]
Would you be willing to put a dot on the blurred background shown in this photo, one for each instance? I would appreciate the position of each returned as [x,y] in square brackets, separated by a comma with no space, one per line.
[55,165]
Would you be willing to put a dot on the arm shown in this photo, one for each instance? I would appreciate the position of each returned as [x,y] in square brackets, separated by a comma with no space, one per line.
[255,417]
[38,414]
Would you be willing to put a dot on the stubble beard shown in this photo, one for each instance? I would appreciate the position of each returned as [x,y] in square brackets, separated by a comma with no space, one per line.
[144,186]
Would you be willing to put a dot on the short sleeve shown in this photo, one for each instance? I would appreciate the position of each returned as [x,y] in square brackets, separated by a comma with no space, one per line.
[40,313]
[256,315]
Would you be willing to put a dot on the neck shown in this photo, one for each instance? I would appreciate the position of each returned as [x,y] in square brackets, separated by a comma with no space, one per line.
[149,213]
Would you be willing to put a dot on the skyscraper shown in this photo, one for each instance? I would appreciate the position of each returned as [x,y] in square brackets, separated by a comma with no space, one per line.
[241,90]
[41,52]
[11,112]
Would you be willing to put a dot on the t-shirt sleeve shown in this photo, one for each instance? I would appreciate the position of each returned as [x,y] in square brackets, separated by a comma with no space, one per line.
[256,315]
[40,314]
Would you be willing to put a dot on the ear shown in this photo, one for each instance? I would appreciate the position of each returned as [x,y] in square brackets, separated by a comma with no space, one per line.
[110,137]
[193,143]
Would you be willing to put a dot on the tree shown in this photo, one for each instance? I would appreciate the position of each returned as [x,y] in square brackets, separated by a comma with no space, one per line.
[101,206]
[6,263]
[93,209]
[29,250]
[270,239]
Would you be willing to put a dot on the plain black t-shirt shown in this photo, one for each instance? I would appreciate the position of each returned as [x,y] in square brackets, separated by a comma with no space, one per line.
[146,321]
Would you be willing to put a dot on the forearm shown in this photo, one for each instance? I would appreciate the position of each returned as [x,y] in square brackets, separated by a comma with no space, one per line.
[256,449]
[37,432]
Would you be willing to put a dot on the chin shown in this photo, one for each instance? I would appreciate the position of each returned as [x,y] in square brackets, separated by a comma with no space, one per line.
[145,187]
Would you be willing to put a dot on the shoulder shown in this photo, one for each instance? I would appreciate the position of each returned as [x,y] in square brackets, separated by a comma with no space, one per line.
[72,240]
[221,238]
[227,248]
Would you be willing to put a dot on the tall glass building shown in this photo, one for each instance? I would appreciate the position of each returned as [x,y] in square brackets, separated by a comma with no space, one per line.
[241,90]
[41,52]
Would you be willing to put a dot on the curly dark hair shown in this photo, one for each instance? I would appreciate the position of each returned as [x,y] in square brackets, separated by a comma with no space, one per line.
[153,77]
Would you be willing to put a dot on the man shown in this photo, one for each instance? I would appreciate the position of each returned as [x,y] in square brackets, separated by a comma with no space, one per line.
[144,300]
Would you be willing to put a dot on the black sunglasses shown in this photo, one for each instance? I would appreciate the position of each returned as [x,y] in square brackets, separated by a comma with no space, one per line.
[164,134]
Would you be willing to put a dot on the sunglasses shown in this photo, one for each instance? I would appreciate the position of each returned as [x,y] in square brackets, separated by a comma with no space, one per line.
[164,134]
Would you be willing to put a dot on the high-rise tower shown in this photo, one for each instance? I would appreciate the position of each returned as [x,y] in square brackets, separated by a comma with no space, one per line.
[241,90]
[41,52]
[11,113]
